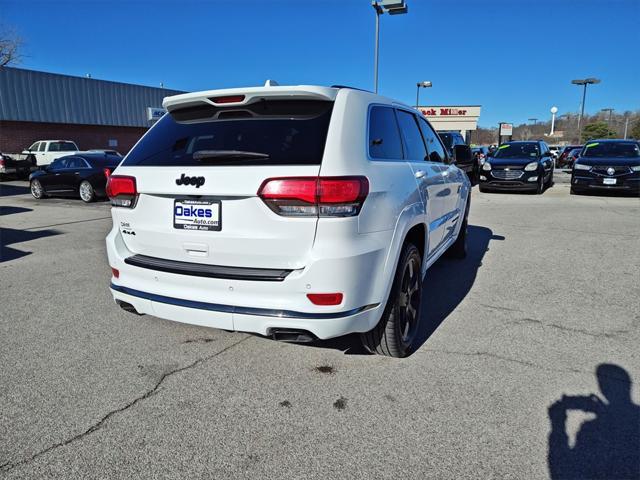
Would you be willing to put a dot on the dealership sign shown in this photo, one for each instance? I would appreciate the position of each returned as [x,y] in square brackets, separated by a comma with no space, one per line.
[154,114]
[506,129]
[443,111]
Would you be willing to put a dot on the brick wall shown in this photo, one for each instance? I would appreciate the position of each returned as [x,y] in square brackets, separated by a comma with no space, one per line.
[16,136]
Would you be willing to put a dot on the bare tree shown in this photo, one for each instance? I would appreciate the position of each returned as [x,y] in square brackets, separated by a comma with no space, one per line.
[10,46]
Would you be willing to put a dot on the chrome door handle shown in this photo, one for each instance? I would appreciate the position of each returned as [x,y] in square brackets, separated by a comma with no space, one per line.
[420,173]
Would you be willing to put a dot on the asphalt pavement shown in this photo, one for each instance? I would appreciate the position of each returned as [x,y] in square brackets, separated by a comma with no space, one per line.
[549,292]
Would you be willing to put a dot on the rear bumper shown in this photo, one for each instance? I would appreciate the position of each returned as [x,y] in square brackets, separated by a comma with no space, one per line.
[248,319]
[355,268]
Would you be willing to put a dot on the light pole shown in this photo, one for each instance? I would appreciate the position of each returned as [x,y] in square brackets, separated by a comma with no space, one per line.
[392,7]
[585,82]
[423,85]
[553,111]
[610,110]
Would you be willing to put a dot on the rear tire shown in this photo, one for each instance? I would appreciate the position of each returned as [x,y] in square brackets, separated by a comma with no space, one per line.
[395,333]
[87,193]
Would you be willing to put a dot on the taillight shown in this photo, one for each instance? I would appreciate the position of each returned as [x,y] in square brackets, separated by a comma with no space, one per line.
[122,191]
[325,298]
[115,272]
[315,196]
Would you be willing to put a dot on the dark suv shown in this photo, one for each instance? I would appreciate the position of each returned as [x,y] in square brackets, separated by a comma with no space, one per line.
[612,165]
[451,140]
[518,166]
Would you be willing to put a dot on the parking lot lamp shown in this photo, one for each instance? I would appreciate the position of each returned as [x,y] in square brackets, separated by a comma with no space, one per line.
[423,85]
[584,82]
[392,7]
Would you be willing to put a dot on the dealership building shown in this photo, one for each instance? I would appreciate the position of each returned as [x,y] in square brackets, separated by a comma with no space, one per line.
[93,113]
[460,118]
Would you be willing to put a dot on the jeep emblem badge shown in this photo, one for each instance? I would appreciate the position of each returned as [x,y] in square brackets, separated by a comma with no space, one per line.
[184,180]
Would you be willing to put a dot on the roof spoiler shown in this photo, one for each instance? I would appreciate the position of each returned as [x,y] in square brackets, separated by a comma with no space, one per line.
[245,96]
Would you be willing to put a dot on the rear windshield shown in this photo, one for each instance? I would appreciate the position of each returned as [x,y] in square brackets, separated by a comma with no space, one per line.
[62,147]
[278,132]
[611,149]
[517,150]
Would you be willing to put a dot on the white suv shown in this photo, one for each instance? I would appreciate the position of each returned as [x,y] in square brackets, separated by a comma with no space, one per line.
[295,212]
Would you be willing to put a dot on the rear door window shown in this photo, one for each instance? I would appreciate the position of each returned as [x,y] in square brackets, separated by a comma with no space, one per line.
[384,136]
[268,132]
[413,143]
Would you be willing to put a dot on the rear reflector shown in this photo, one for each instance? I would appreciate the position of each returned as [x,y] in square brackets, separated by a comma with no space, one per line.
[122,190]
[315,196]
[115,272]
[325,298]
[228,99]
[107,173]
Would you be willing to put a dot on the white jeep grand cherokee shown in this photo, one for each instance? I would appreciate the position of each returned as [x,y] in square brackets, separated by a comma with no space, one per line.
[295,212]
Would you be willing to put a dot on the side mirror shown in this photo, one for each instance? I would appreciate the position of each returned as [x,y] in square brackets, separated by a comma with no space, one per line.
[463,155]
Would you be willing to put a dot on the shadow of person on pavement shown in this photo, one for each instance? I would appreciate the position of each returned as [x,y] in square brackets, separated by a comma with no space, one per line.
[606,447]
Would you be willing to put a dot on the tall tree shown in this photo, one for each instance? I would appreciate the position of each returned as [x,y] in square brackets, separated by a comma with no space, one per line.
[635,131]
[10,45]
[597,130]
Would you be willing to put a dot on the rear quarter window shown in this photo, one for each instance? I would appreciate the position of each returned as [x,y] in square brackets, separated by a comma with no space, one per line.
[384,135]
[279,132]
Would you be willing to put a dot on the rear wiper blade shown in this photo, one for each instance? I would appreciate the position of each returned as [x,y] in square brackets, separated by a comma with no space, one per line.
[227,154]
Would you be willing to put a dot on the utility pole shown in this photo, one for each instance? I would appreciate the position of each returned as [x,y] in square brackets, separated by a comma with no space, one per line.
[584,82]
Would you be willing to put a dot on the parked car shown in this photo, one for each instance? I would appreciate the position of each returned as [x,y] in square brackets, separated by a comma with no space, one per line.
[43,152]
[571,157]
[452,139]
[562,157]
[10,166]
[612,165]
[107,152]
[83,174]
[296,212]
[480,154]
[518,166]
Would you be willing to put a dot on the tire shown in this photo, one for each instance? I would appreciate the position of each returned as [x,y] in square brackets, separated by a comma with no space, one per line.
[395,333]
[36,189]
[86,191]
[540,188]
[550,182]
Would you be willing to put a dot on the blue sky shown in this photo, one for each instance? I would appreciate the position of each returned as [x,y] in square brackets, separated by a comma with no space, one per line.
[516,58]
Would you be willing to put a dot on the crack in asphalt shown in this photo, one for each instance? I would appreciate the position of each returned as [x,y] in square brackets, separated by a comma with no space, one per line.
[534,321]
[7,466]
[521,362]
[571,230]
[67,223]
[519,321]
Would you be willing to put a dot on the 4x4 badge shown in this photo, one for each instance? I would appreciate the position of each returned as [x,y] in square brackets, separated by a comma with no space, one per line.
[184,180]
